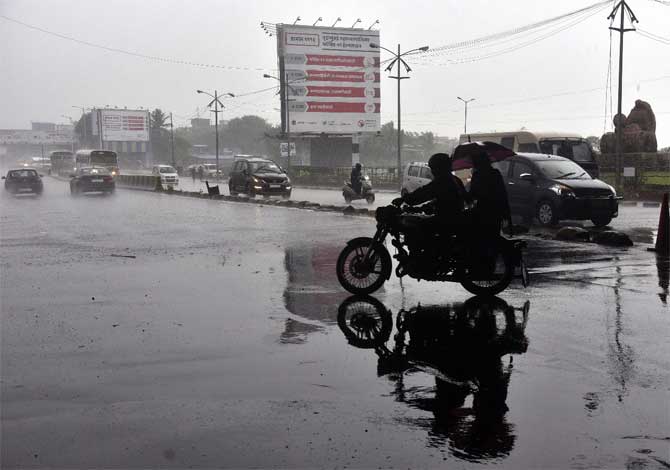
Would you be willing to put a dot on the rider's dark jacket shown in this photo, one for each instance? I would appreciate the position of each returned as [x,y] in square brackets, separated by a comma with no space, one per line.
[356,182]
[448,193]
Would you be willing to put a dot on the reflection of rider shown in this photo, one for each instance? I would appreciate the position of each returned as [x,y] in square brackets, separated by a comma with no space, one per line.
[462,346]
[356,178]
[446,190]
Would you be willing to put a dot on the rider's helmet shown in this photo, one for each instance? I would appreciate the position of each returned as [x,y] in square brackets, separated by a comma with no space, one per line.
[440,164]
[358,166]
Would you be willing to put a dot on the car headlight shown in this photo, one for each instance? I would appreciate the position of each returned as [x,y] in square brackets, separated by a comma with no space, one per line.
[562,190]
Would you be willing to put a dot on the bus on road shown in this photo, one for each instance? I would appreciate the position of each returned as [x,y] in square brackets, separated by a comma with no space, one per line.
[62,162]
[101,158]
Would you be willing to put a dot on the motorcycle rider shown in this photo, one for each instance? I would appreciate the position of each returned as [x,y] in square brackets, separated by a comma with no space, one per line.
[356,178]
[446,189]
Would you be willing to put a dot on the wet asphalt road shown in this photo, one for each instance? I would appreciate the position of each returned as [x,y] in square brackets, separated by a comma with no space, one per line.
[146,330]
[637,221]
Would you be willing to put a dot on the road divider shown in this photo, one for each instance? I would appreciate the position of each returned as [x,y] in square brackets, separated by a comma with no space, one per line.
[146,182]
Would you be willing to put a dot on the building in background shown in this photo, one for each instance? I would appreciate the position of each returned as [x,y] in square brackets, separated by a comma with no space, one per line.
[22,145]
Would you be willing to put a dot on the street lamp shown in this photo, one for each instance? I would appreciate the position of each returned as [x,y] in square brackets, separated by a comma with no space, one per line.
[465,124]
[398,59]
[216,102]
[287,119]
[72,124]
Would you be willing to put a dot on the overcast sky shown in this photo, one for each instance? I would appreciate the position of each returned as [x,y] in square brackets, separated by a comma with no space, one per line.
[44,76]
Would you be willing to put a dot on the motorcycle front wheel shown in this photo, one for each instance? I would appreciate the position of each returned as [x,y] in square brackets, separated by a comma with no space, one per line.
[365,322]
[488,275]
[359,276]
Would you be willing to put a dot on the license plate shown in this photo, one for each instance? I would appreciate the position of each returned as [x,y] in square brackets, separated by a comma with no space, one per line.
[96,180]
[25,190]
[275,185]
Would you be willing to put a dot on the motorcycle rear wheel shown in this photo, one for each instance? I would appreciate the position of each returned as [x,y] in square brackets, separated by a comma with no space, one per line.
[490,277]
[357,276]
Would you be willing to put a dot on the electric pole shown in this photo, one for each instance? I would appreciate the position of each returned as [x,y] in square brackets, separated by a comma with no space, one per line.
[216,102]
[622,7]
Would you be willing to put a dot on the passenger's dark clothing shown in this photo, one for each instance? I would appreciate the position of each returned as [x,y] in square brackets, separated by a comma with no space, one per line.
[356,183]
[488,189]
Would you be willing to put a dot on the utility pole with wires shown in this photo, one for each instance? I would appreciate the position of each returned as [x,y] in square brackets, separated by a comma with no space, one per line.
[216,102]
[622,8]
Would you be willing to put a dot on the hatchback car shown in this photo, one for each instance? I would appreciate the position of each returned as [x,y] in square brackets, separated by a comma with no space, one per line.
[553,188]
[168,175]
[92,179]
[23,181]
[255,175]
[416,174]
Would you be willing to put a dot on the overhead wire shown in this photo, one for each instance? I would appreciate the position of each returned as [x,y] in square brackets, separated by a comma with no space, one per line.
[133,53]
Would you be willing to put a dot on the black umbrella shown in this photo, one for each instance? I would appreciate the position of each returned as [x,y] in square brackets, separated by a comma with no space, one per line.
[462,158]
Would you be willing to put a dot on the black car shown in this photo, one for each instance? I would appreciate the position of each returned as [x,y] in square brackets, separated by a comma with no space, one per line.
[255,175]
[92,179]
[552,188]
[23,181]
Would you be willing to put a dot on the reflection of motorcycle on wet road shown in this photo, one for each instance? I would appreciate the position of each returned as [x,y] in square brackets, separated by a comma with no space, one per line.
[462,346]
[365,264]
[366,191]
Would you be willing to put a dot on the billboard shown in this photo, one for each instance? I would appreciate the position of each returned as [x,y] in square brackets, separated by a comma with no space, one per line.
[331,79]
[122,125]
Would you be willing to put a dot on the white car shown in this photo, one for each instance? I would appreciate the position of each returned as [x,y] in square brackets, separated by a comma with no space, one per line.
[416,174]
[168,175]
[209,170]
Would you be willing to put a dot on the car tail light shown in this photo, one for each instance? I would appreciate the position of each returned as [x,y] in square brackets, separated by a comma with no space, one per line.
[108,179]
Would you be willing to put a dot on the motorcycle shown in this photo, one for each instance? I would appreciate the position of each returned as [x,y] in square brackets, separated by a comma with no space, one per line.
[365,263]
[366,191]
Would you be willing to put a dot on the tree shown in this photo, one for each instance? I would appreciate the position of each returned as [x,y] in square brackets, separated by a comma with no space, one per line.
[158,119]
[594,141]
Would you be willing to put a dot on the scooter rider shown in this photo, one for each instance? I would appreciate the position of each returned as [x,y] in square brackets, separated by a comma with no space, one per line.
[356,176]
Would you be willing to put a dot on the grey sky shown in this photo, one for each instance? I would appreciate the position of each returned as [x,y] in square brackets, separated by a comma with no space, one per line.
[44,76]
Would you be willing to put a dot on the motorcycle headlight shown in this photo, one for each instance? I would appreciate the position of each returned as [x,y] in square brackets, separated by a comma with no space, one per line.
[562,190]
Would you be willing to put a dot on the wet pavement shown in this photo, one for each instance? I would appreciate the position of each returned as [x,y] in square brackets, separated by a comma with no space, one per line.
[144,330]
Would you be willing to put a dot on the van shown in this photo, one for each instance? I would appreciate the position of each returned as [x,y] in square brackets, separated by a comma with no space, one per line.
[563,144]
[168,175]
[416,174]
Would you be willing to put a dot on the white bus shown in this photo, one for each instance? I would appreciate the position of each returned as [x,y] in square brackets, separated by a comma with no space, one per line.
[62,162]
[101,158]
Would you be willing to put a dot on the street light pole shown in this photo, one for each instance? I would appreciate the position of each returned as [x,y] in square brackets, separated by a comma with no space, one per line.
[465,122]
[623,6]
[216,102]
[398,59]
[286,87]
[174,164]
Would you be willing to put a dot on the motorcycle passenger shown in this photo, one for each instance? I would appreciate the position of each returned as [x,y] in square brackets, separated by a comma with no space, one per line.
[487,190]
[356,178]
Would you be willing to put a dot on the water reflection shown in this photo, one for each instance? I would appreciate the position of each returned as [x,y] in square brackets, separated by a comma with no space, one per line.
[462,346]
[663,267]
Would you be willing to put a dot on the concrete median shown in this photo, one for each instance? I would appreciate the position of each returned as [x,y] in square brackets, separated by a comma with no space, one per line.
[145,182]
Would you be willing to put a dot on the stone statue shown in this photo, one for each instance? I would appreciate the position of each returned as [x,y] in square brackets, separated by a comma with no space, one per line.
[638,131]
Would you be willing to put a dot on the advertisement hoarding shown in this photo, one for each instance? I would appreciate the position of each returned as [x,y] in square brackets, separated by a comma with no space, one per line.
[331,79]
[122,125]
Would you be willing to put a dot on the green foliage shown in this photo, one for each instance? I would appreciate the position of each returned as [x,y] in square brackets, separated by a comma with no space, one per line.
[381,149]
[158,118]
